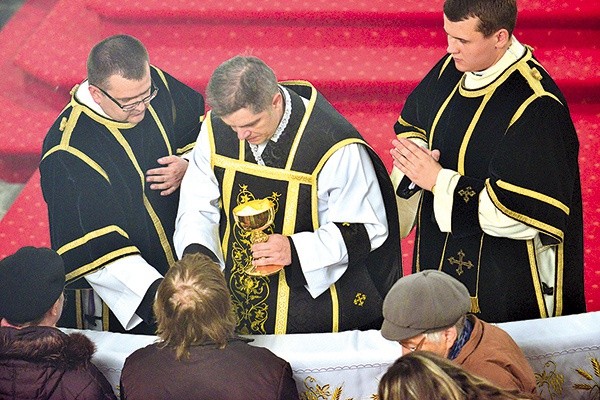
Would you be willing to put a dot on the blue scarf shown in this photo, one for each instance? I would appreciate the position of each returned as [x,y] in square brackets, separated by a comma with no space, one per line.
[465,335]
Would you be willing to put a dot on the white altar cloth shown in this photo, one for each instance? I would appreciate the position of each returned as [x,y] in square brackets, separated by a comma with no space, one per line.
[563,351]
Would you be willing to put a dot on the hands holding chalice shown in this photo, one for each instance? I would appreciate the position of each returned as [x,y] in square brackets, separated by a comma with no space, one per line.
[270,252]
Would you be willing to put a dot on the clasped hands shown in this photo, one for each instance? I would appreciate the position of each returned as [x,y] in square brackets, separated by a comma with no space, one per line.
[419,164]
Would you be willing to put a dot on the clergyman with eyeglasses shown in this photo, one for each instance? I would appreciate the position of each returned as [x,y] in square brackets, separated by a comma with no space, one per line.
[430,310]
[111,167]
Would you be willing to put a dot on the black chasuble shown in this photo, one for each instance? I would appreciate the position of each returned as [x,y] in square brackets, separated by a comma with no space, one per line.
[280,303]
[515,138]
[93,179]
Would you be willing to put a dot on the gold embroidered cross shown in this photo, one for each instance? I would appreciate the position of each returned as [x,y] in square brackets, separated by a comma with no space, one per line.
[360,298]
[467,193]
[460,262]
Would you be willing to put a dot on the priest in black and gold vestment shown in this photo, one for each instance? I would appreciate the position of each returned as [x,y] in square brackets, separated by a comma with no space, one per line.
[335,229]
[501,211]
[110,173]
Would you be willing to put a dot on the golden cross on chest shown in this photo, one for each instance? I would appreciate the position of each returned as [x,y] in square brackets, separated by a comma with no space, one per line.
[460,262]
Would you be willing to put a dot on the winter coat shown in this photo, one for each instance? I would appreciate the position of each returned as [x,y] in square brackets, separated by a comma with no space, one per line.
[491,353]
[41,362]
[237,372]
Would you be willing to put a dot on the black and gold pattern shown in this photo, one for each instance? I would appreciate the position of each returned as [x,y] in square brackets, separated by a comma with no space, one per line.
[93,170]
[280,303]
[498,138]
[249,293]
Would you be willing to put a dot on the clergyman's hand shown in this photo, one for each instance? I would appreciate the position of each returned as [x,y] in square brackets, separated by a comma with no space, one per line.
[275,251]
[420,165]
[167,178]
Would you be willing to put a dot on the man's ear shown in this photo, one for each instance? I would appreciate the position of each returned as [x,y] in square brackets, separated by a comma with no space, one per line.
[55,310]
[450,335]
[502,38]
[277,99]
[96,93]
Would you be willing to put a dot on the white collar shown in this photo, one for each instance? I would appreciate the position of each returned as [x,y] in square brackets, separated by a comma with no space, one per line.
[84,96]
[477,80]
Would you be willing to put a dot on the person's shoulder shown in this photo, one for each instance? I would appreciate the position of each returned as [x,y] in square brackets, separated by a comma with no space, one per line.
[259,353]
[143,354]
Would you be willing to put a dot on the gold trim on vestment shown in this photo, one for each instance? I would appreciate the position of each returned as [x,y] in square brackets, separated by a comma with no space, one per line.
[91,235]
[78,309]
[99,262]
[462,153]
[309,108]
[67,126]
[541,226]
[439,114]
[558,290]
[105,317]
[283,304]
[419,133]
[160,231]
[445,65]
[535,195]
[82,156]
[536,279]
[161,128]
[335,309]
[182,150]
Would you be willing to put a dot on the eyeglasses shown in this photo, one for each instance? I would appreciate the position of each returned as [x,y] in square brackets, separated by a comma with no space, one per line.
[132,106]
[414,348]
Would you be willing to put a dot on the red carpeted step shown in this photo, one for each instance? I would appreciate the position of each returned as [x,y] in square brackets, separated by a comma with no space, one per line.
[364,72]
[26,222]
[22,132]
[556,13]
[587,122]
[56,62]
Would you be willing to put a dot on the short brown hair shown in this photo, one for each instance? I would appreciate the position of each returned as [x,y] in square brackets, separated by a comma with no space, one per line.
[193,305]
[493,14]
[121,55]
[241,82]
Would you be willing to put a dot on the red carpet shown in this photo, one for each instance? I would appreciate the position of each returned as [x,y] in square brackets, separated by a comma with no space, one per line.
[364,56]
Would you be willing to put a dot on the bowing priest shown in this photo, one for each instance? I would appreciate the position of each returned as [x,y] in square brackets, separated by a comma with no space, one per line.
[332,250]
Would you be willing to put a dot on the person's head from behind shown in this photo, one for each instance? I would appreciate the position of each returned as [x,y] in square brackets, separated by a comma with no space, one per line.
[478,31]
[244,93]
[425,311]
[118,71]
[193,305]
[32,283]
[426,375]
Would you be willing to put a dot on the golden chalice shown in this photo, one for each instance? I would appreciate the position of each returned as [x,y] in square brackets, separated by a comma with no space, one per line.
[254,216]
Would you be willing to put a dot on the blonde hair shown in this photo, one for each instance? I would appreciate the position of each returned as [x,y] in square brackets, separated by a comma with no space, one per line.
[425,375]
[193,305]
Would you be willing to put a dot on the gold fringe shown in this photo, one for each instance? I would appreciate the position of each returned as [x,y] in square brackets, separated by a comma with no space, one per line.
[475,305]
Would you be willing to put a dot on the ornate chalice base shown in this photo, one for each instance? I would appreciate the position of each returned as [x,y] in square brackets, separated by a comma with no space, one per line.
[254,216]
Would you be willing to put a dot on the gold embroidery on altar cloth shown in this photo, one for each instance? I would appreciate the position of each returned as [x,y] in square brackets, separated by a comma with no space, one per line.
[549,382]
[314,391]
[249,293]
[592,382]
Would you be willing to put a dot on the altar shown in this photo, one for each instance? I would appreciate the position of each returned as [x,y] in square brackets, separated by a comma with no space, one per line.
[563,351]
